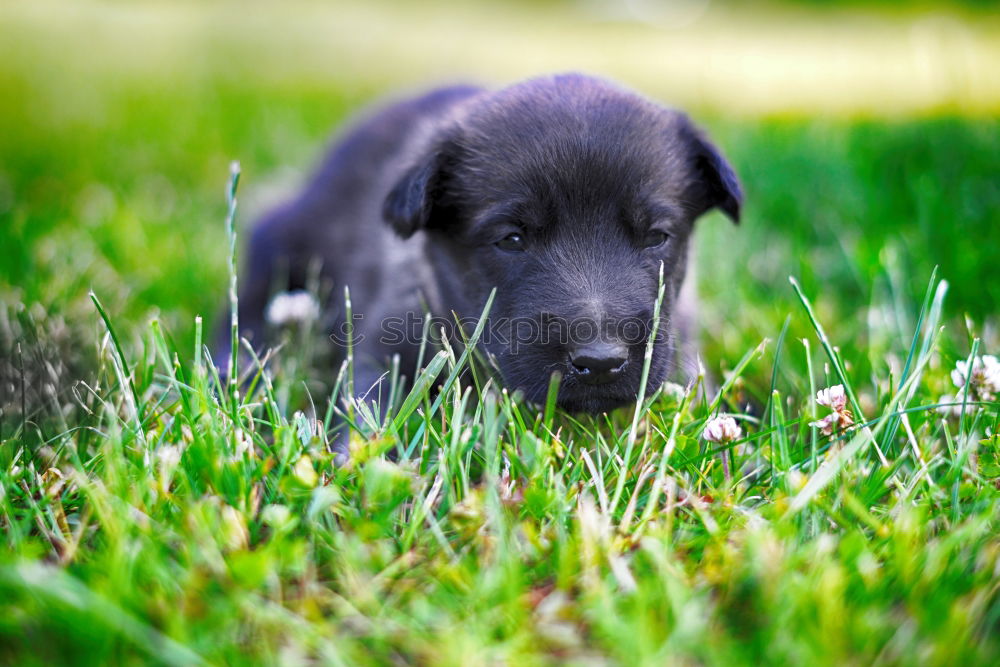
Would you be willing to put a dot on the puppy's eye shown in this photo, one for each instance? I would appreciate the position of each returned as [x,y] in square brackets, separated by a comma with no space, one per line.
[654,239]
[512,243]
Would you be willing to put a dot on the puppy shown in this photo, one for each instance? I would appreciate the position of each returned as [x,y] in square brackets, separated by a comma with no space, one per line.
[564,193]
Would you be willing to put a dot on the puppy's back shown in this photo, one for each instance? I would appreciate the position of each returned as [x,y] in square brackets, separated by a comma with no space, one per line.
[336,218]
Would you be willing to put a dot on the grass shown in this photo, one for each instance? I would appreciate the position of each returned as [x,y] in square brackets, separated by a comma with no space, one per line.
[150,513]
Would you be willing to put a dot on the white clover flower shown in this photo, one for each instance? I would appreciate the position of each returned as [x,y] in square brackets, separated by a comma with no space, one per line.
[992,371]
[290,307]
[984,383]
[841,418]
[833,397]
[835,421]
[674,390]
[722,430]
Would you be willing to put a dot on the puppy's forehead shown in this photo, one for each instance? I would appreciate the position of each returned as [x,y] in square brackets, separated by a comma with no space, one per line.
[573,136]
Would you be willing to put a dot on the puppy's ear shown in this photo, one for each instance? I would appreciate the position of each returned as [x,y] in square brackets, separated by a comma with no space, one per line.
[416,200]
[716,184]
[407,207]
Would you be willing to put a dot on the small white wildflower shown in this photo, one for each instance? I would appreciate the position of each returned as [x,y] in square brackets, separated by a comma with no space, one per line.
[674,390]
[841,418]
[992,371]
[826,424]
[289,307]
[832,397]
[984,382]
[722,430]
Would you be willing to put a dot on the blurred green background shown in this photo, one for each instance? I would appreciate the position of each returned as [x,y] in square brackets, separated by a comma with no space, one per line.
[867,137]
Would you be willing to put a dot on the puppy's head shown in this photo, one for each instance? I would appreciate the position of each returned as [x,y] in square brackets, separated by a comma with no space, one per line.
[566,194]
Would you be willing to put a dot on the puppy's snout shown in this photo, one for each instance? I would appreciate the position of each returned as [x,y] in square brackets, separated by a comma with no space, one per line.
[599,362]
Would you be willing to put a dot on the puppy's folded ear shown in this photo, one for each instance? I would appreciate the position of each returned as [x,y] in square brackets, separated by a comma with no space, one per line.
[407,207]
[716,183]
[417,200]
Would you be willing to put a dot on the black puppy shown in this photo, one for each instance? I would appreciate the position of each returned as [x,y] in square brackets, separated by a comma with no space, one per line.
[565,193]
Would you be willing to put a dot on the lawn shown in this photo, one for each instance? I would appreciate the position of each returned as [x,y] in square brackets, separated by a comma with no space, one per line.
[148,514]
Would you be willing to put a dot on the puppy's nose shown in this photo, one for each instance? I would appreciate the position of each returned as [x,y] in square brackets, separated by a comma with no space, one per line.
[599,362]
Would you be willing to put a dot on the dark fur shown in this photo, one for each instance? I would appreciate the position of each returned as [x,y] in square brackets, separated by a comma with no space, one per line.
[581,168]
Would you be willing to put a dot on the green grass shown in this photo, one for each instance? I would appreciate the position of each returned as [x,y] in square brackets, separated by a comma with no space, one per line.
[148,514]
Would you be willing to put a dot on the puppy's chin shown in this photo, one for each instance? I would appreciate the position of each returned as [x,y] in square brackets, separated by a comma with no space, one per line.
[593,402]
[577,398]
